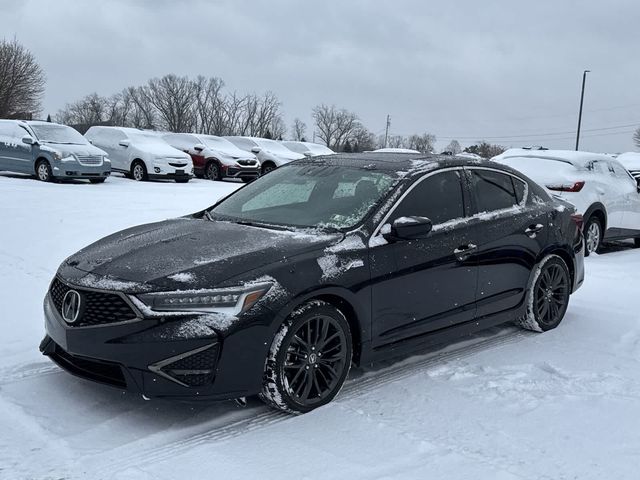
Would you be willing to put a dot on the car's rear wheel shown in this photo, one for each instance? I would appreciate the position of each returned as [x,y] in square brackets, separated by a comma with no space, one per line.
[43,171]
[139,171]
[548,296]
[592,235]
[309,359]
[212,171]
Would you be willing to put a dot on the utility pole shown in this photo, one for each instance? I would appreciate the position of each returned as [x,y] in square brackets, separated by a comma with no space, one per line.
[386,133]
[584,79]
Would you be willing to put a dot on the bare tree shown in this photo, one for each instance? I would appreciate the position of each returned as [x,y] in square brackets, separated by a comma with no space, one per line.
[335,126]
[636,138]
[22,81]
[209,106]
[485,149]
[453,147]
[174,98]
[362,140]
[90,110]
[298,130]
[423,143]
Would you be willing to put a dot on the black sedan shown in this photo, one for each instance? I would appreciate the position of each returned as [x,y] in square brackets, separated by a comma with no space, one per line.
[280,287]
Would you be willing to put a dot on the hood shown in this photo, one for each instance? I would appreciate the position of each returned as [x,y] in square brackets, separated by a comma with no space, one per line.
[228,155]
[150,257]
[80,150]
[159,150]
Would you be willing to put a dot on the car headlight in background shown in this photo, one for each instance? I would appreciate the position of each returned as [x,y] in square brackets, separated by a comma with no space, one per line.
[233,301]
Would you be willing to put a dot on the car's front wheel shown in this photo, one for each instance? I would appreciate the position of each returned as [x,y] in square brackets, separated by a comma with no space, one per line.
[309,359]
[139,171]
[43,171]
[212,171]
[592,235]
[548,296]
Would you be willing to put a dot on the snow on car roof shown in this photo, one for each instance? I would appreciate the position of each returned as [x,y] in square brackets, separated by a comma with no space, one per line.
[577,158]
[629,160]
[395,150]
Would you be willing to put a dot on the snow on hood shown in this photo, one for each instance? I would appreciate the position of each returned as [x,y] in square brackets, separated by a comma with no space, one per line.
[186,253]
[159,149]
[68,150]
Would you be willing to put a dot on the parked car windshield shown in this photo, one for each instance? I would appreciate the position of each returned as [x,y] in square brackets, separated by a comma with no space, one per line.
[146,137]
[273,146]
[62,134]
[308,196]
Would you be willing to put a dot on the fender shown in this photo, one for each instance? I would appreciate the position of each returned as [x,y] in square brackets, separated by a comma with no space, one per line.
[597,206]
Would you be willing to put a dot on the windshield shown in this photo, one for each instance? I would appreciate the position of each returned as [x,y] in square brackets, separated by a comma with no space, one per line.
[311,196]
[146,137]
[222,144]
[273,146]
[53,133]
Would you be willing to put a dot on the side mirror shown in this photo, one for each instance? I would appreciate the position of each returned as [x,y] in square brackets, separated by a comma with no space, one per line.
[199,147]
[124,143]
[409,228]
[28,140]
[255,150]
[308,154]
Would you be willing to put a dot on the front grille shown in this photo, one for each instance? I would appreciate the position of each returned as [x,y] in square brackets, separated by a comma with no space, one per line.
[96,370]
[635,174]
[177,165]
[97,308]
[247,162]
[90,159]
[195,370]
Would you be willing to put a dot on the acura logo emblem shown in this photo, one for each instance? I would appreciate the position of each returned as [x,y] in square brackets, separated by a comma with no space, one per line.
[71,306]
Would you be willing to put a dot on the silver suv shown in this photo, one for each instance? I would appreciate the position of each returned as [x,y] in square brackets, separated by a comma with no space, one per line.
[50,151]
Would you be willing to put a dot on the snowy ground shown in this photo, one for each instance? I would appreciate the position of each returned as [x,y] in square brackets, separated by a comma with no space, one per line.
[506,404]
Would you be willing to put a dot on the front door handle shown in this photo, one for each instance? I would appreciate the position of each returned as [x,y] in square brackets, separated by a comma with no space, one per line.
[463,252]
[533,230]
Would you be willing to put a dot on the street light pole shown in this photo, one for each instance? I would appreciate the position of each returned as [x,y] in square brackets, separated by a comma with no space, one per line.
[584,79]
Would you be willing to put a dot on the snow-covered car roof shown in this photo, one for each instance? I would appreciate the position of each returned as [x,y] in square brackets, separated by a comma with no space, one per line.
[630,160]
[575,158]
[395,150]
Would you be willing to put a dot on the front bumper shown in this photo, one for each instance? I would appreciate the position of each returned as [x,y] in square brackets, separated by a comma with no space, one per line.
[75,170]
[147,356]
[249,173]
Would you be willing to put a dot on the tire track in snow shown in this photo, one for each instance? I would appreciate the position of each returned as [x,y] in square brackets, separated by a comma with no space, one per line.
[27,371]
[260,417]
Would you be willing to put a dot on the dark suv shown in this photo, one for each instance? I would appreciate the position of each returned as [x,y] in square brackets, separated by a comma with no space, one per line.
[277,289]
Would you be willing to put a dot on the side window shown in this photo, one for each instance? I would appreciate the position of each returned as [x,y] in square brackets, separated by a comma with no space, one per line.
[521,189]
[493,190]
[438,197]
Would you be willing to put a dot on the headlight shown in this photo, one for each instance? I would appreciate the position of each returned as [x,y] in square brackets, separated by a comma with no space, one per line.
[234,301]
[57,156]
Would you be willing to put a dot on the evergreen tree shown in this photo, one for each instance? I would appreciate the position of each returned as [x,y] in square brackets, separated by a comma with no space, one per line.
[347,147]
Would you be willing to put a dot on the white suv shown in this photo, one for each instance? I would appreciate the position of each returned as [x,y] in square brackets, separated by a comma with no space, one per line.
[601,189]
[631,161]
[141,155]
[271,154]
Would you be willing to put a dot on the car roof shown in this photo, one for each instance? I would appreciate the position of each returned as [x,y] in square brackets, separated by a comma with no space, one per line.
[576,158]
[400,163]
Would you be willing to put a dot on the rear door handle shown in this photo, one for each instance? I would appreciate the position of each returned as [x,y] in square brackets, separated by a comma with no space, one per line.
[463,252]
[533,230]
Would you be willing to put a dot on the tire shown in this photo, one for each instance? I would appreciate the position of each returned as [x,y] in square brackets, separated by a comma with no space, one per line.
[548,296]
[43,171]
[592,235]
[297,379]
[182,180]
[97,180]
[212,171]
[139,171]
[268,167]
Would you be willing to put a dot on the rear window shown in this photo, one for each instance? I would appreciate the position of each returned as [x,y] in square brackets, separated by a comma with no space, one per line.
[493,190]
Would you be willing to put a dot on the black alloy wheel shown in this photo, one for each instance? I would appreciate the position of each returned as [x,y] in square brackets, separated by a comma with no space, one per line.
[309,359]
[549,295]
[212,171]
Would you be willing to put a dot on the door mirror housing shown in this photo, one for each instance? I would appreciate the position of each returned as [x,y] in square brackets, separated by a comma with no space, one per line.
[409,228]
[199,147]
[255,150]
[124,143]
[28,140]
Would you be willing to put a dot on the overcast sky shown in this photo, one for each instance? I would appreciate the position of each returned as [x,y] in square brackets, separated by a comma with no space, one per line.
[505,71]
